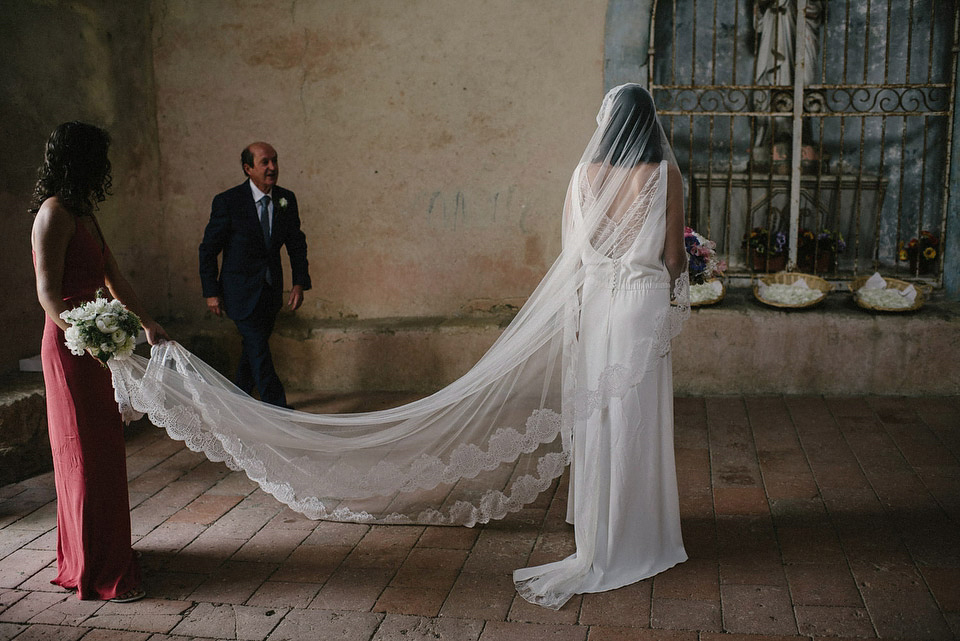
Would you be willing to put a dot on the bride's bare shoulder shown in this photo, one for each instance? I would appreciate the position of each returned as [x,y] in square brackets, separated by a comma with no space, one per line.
[591,169]
[642,173]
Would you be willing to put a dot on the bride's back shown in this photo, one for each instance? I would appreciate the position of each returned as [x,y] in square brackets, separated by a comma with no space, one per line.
[632,183]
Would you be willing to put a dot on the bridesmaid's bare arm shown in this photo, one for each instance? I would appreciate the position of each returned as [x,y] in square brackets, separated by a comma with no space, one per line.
[53,228]
[121,289]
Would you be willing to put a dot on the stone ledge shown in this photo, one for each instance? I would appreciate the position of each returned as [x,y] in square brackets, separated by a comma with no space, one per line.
[24,446]
[737,347]
[742,346]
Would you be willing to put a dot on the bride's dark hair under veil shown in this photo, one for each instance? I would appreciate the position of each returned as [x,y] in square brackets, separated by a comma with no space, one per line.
[632,118]
[487,444]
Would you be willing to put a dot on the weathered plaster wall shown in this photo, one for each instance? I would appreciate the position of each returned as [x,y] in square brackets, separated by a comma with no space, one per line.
[429,143]
[82,60]
[736,347]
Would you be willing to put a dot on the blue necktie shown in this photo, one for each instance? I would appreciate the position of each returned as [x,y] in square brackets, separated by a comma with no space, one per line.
[265,219]
[265,226]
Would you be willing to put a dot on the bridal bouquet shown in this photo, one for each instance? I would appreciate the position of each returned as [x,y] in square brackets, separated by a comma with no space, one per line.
[105,327]
[704,265]
[702,254]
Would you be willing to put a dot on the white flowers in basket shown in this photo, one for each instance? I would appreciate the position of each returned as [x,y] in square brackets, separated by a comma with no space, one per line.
[885,298]
[104,327]
[703,292]
[794,295]
[876,293]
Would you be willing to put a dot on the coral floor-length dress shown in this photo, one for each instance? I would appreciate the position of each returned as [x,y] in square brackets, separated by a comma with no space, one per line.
[94,555]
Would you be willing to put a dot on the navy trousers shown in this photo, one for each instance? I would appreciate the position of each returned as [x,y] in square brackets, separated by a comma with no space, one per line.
[256,363]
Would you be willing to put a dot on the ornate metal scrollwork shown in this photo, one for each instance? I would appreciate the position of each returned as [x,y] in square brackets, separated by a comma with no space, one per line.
[783,101]
[709,99]
[885,100]
[817,100]
[814,102]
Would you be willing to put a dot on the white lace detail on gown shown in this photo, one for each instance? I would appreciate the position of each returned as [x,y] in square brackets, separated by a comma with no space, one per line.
[624,232]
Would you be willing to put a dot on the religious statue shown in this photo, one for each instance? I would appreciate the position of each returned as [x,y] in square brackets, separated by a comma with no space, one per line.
[775,23]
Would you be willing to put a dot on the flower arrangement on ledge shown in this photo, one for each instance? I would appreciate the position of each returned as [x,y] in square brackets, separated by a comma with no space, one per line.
[921,252]
[705,267]
[817,252]
[766,250]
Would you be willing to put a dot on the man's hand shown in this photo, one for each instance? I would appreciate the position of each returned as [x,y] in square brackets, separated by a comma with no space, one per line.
[215,305]
[296,297]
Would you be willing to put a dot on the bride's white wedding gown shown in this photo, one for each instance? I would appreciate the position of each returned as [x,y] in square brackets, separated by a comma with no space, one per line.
[623,496]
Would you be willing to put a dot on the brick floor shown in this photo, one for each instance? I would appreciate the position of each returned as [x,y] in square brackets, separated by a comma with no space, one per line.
[804,518]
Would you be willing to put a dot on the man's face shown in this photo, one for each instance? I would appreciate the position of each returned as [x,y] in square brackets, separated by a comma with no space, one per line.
[265,170]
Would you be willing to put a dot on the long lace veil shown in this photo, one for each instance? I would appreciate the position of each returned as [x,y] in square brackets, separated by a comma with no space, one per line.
[485,445]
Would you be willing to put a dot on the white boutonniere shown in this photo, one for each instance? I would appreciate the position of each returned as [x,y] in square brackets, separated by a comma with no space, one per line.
[283,204]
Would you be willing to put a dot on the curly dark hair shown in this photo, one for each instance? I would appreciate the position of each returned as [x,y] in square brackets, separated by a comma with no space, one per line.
[75,168]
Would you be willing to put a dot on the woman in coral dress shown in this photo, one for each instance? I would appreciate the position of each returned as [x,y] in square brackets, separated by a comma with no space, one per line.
[72,261]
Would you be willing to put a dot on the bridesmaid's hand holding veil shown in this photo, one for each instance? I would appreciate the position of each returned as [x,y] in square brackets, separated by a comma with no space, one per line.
[155,333]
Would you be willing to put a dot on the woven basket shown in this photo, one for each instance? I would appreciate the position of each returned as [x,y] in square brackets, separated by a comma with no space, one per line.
[715,300]
[789,278]
[922,291]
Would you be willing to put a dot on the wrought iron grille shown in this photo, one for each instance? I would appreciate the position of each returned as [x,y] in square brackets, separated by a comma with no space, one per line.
[824,140]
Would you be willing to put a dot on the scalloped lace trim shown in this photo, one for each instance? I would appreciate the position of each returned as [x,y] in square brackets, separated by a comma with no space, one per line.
[550,600]
[466,461]
[187,424]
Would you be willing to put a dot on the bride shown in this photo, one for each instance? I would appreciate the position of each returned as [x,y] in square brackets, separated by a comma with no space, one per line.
[582,376]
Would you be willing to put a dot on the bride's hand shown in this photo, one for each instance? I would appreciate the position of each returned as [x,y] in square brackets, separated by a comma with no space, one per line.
[155,333]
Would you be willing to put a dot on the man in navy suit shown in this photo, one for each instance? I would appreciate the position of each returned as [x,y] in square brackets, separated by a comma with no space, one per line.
[248,225]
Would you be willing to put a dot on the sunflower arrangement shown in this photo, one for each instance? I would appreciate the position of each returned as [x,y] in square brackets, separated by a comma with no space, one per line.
[922,252]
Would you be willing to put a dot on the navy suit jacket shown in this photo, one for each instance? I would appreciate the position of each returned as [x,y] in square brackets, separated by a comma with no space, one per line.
[234,230]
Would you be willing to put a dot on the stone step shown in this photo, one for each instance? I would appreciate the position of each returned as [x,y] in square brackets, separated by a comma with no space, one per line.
[24,446]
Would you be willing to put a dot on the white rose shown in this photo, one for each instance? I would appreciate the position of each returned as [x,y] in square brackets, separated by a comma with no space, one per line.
[119,337]
[84,313]
[108,323]
[73,340]
[125,348]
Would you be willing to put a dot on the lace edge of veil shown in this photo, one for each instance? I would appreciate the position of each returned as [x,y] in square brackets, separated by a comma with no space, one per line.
[188,424]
